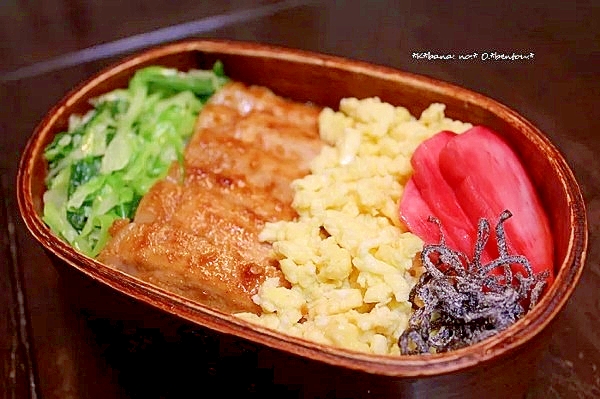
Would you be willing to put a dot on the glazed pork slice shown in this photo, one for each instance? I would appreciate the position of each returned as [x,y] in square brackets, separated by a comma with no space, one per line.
[195,232]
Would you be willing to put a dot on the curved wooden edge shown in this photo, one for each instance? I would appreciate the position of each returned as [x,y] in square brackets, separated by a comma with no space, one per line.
[402,366]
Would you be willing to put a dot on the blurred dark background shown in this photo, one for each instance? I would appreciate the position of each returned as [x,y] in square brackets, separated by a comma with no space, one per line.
[51,349]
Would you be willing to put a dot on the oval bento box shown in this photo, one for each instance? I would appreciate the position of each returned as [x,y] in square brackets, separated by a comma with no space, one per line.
[324,80]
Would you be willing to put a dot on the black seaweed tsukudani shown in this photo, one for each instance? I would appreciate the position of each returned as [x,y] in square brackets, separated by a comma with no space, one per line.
[460,302]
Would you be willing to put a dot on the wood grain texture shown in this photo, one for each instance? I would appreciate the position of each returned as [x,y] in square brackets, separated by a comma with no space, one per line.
[109,358]
[17,374]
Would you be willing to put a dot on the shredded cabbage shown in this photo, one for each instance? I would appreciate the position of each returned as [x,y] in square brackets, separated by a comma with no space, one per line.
[100,168]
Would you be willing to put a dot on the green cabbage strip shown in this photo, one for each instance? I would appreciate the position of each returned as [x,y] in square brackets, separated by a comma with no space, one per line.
[109,158]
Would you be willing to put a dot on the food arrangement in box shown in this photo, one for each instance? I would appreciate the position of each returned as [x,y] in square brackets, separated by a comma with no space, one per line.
[362,227]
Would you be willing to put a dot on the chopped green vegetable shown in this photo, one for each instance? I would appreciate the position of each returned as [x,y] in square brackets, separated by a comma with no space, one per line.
[109,158]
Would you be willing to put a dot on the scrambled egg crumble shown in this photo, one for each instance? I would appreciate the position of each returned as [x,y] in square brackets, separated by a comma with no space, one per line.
[347,255]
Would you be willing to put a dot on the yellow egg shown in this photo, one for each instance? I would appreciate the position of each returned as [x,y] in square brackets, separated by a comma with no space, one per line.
[346,256]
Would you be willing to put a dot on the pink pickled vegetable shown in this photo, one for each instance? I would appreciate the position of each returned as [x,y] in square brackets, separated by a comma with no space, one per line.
[415,214]
[435,191]
[462,178]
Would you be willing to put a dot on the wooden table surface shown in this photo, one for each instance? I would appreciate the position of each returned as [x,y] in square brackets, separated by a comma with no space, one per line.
[50,348]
